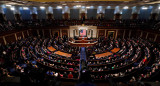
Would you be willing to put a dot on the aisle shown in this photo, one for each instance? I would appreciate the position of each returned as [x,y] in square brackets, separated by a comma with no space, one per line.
[83,53]
[82,57]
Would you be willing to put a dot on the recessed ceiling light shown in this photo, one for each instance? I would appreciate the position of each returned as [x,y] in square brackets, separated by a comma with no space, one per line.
[59,7]
[25,8]
[12,8]
[88,7]
[144,8]
[126,7]
[42,7]
[78,5]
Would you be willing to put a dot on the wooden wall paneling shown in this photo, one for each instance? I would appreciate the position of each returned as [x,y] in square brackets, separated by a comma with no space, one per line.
[17,17]
[40,32]
[101,33]
[151,36]
[120,33]
[133,34]
[2,17]
[111,31]
[19,35]
[34,32]
[65,32]
[154,16]
[34,16]
[144,35]
[137,33]
[25,34]
[10,38]
[66,16]
[1,40]
[49,16]
[117,16]
[157,39]
[47,33]
[55,31]
[126,34]
[83,15]
[29,32]
[134,16]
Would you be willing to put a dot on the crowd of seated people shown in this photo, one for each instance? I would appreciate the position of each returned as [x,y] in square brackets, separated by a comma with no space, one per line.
[31,59]
[134,56]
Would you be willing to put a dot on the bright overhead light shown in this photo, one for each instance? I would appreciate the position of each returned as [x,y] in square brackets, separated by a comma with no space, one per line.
[126,7]
[78,5]
[158,7]
[108,7]
[12,8]
[25,8]
[59,7]
[42,7]
[8,5]
[88,7]
[144,8]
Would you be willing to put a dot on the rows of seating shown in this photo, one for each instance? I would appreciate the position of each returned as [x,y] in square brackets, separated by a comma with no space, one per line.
[135,55]
[135,59]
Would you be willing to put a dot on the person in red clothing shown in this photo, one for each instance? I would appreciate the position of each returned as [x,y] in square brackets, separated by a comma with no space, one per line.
[70,75]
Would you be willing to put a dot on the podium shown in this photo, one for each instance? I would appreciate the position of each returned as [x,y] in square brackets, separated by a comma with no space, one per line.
[82,38]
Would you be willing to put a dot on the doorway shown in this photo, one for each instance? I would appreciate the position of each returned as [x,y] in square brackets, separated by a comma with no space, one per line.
[111,34]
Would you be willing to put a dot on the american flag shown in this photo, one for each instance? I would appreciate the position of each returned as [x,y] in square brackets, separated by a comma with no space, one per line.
[83,33]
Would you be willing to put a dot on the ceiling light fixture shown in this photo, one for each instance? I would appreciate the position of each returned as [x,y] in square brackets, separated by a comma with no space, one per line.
[144,8]
[25,8]
[78,5]
[88,7]
[126,7]
[59,7]
[108,7]
[42,7]
[8,5]
[12,8]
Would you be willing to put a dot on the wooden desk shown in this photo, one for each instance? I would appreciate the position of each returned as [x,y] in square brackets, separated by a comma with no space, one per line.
[82,44]
[103,55]
[107,53]
[51,49]
[115,50]
[63,54]
[84,41]
[80,38]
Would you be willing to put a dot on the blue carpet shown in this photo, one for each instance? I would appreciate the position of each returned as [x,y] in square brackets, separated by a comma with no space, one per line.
[82,55]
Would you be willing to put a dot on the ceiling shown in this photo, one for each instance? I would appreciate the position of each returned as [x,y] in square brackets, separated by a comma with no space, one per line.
[82,2]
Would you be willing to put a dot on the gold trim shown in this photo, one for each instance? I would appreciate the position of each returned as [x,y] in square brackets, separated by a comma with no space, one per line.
[113,33]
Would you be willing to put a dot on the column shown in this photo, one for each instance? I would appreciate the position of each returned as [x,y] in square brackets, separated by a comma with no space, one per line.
[135,12]
[2,13]
[66,12]
[100,12]
[17,13]
[49,12]
[118,12]
[83,12]
[5,42]
[33,12]
[155,12]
